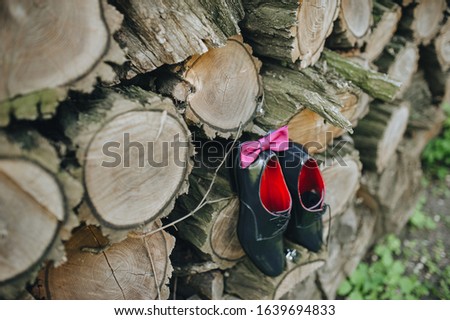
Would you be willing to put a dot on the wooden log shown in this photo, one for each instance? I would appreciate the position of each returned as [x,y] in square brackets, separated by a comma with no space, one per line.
[221,89]
[136,268]
[399,61]
[289,30]
[375,84]
[435,60]
[209,285]
[212,229]
[425,120]
[386,15]
[135,152]
[352,25]
[315,133]
[439,48]
[379,134]
[247,282]
[422,21]
[168,32]
[341,173]
[38,40]
[350,238]
[318,93]
[36,200]
[392,195]
[439,81]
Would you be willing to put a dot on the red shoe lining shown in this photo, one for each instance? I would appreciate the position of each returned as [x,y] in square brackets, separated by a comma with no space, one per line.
[274,193]
[310,179]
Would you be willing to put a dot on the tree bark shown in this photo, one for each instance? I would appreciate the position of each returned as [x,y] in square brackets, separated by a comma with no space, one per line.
[36,202]
[315,133]
[426,119]
[386,16]
[399,60]
[166,32]
[289,30]
[283,99]
[135,152]
[136,268]
[353,24]
[221,89]
[373,83]
[379,134]
[38,40]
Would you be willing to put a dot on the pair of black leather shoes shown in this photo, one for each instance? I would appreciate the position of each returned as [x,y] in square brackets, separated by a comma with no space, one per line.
[282,193]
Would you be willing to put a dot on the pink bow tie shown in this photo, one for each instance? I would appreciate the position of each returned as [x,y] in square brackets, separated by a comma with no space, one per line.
[277,140]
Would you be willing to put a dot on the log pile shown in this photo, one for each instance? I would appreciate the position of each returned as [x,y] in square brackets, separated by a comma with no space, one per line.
[114,144]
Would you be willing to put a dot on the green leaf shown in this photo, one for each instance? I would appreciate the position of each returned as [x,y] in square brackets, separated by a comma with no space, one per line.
[406,285]
[355,295]
[359,275]
[386,259]
[397,268]
[344,288]
[394,244]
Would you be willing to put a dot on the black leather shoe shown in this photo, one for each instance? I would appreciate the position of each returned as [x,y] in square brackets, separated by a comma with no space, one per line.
[307,189]
[265,205]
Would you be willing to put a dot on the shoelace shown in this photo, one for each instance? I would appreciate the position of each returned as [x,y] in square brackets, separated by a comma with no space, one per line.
[280,221]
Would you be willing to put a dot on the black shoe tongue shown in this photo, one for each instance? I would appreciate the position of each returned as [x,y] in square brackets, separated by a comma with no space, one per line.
[310,199]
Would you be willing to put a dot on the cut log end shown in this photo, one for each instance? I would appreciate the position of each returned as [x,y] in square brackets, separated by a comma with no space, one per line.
[355,19]
[386,17]
[342,181]
[404,66]
[122,193]
[314,25]
[357,15]
[136,268]
[213,228]
[224,241]
[135,151]
[442,47]
[392,136]
[38,40]
[32,208]
[428,15]
[229,97]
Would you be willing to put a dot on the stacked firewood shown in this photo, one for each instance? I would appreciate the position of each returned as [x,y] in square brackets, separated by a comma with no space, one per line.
[110,111]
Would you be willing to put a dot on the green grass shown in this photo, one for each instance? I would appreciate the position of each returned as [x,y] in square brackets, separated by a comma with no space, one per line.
[419,219]
[402,270]
[384,278]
